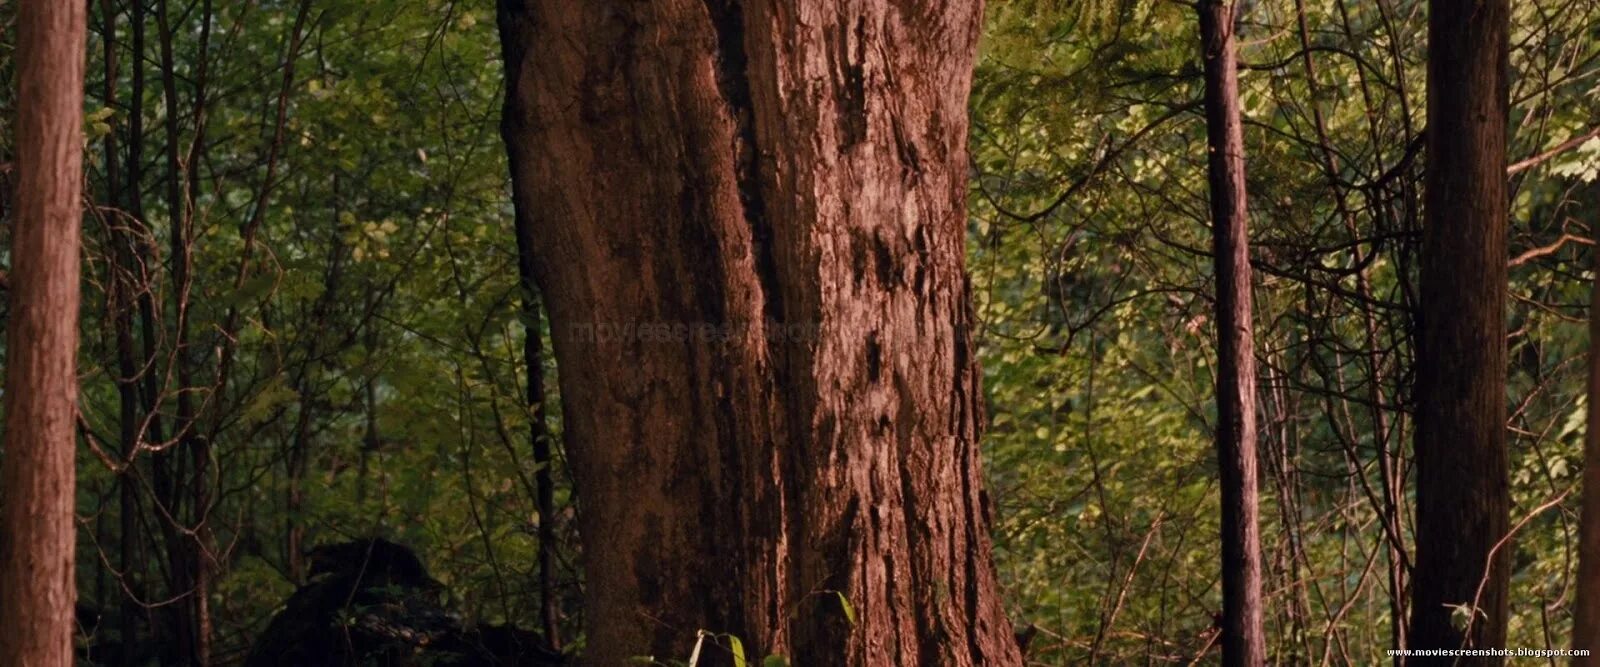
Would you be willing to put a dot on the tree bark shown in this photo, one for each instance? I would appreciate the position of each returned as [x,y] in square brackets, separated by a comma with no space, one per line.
[36,560]
[1586,607]
[748,227]
[1242,640]
[1463,500]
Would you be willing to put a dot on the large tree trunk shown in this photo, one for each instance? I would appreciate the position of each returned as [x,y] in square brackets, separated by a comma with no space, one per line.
[1242,641]
[1462,496]
[1586,608]
[36,548]
[748,228]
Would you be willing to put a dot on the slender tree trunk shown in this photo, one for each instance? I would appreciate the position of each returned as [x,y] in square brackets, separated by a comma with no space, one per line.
[190,552]
[127,366]
[298,458]
[1586,608]
[1463,500]
[1242,640]
[164,488]
[1396,566]
[543,479]
[37,475]
[748,228]
[371,439]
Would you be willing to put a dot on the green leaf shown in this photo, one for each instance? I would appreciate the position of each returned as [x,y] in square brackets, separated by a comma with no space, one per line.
[774,661]
[737,647]
[849,610]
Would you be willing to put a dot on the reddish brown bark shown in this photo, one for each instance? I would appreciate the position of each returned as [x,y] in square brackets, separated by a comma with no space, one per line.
[1463,501]
[36,552]
[748,226]
[1586,606]
[1242,641]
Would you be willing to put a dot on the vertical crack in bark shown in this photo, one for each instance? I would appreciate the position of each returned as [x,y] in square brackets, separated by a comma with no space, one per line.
[968,421]
[782,445]
[850,69]
[733,83]
[884,542]
[930,625]
[975,520]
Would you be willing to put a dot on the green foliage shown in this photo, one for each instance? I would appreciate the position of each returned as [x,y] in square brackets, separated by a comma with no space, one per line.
[1089,241]
[378,324]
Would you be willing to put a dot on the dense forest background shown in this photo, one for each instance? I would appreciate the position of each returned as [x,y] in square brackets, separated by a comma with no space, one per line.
[303,321]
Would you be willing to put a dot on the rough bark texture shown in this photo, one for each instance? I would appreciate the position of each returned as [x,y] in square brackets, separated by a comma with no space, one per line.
[1586,607]
[1242,641]
[748,228]
[36,552]
[1462,494]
